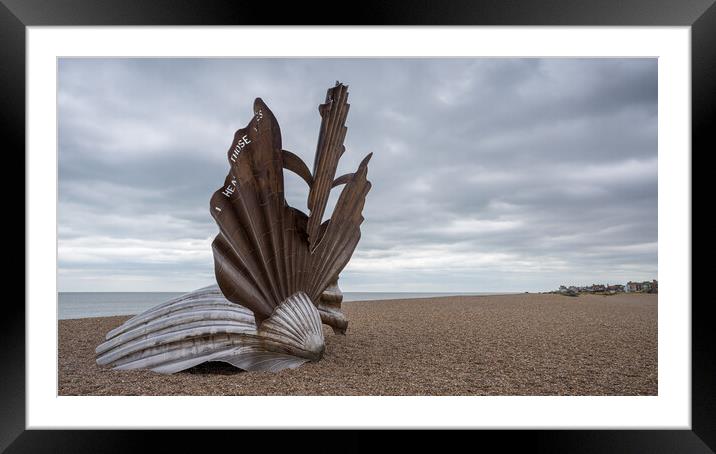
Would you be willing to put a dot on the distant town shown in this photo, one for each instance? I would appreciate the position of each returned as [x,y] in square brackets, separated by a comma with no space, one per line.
[610,289]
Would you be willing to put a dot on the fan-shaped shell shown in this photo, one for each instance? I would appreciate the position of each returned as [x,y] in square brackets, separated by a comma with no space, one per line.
[272,262]
[267,250]
[204,326]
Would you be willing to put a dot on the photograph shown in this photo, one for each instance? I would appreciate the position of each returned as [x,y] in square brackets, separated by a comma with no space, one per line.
[357,226]
[470,219]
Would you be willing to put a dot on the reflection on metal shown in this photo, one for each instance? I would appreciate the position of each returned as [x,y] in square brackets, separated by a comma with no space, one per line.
[276,267]
[329,307]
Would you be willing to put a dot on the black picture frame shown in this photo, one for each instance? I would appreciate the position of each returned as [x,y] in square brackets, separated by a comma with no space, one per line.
[16,15]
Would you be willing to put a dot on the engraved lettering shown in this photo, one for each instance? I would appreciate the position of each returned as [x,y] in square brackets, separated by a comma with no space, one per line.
[228,190]
[240,144]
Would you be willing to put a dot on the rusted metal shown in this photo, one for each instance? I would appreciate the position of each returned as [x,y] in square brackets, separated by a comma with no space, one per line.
[266,250]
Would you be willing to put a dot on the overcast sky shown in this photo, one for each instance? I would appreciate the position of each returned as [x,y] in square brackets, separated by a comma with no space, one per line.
[488,174]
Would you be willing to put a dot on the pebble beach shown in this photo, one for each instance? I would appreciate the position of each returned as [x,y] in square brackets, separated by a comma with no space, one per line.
[518,345]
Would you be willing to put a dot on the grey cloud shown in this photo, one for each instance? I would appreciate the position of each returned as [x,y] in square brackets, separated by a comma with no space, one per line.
[488,174]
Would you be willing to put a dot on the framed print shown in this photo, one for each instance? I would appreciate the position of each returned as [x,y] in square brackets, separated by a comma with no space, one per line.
[436,218]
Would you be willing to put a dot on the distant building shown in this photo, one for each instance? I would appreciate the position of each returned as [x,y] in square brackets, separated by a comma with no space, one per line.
[631,286]
[646,286]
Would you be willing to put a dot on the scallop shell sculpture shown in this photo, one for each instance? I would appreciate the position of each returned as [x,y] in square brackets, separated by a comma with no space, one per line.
[276,267]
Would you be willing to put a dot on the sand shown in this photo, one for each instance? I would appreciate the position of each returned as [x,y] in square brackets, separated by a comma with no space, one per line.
[527,344]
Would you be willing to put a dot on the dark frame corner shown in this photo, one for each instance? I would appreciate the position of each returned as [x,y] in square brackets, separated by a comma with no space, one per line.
[16,15]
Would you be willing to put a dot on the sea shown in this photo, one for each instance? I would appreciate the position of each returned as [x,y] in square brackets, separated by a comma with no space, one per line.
[105,304]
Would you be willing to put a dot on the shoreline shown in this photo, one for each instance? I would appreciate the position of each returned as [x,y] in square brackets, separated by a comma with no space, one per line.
[512,344]
[141,304]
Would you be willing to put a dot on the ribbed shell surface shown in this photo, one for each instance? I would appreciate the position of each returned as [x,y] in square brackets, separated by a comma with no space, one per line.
[204,326]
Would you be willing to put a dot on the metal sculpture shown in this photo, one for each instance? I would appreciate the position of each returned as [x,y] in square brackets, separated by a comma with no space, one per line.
[276,267]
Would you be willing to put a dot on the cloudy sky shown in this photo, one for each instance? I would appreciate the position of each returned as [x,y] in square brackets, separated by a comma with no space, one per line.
[488,174]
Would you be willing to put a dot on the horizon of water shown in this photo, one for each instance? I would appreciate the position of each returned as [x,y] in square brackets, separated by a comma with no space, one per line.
[104,304]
